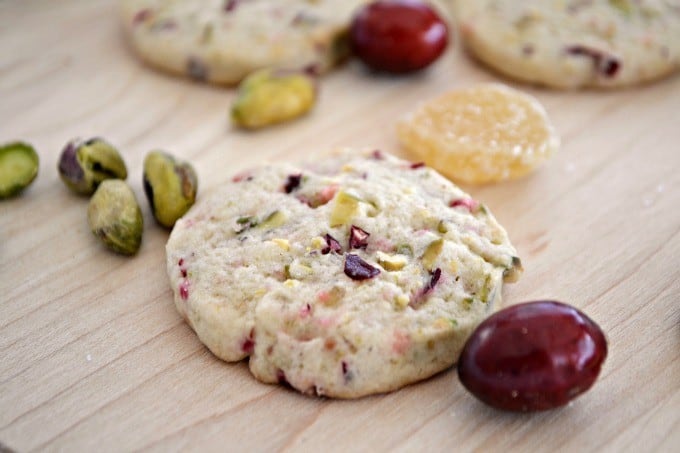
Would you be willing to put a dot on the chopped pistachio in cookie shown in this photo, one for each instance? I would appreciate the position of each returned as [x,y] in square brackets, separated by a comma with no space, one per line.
[222,41]
[355,275]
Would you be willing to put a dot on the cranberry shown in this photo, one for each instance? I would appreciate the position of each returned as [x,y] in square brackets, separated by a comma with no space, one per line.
[332,245]
[398,36]
[358,238]
[281,377]
[607,65]
[230,5]
[292,183]
[142,16]
[184,289]
[377,155]
[358,269]
[532,356]
[434,279]
[420,296]
[467,203]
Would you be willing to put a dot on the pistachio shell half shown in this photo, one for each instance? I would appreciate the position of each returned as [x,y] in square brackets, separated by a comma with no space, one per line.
[83,165]
[115,217]
[170,186]
[269,97]
[18,168]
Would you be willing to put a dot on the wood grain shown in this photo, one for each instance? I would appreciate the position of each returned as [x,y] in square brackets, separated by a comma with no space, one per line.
[93,356]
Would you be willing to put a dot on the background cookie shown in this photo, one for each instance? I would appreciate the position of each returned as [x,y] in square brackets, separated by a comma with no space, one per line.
[574,43]
[224,40]
[359,275]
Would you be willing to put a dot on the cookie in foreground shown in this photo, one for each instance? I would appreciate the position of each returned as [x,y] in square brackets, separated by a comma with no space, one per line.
[358,274]
[574,44]
[223,41]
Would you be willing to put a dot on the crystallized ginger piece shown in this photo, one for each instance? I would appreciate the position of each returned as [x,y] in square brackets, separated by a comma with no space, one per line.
[488,133]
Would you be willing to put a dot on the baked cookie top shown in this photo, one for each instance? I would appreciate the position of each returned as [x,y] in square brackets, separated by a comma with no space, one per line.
[222,41]
[354,275]
[574,43]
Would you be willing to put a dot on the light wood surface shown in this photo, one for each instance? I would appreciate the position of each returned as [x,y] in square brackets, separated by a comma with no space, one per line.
[93,356]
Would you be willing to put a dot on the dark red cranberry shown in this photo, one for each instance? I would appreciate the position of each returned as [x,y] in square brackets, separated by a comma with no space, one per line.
[358,238]
[248,344]
[184,289]
[292,182]
[398,36]
[332,245]
[142,16]
[421,295]
[434,279]
[230,5]
[358,269]
[281,377]
[346,372]
[605,64]
[377,155]
[532,356]
[467,203]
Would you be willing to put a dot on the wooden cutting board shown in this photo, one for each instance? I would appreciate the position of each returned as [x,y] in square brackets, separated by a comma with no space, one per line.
[93,356]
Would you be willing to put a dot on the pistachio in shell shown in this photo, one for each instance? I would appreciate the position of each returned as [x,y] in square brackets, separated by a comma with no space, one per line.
[269,97]
[18,168]
[115,217]
[83,165]
[170,186]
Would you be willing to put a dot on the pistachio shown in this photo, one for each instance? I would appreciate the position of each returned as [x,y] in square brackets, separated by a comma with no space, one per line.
[624,6]
[345,208]
[284,244]
[269,97]
[404,249]
[115,217]
[484,291]
[432,253]
[170,186]
[273,220]
[18,168]
[391,262]
[83,165]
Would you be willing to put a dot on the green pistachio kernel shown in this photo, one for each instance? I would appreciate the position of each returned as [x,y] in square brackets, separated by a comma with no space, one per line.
[83,165]
[170,186]
[485,290]
[245,223]
[624,6]
[18,168]
[404,249]
[269,97]
[345,208]
[115,217]
[273,220]
[432,253]
[391,262]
